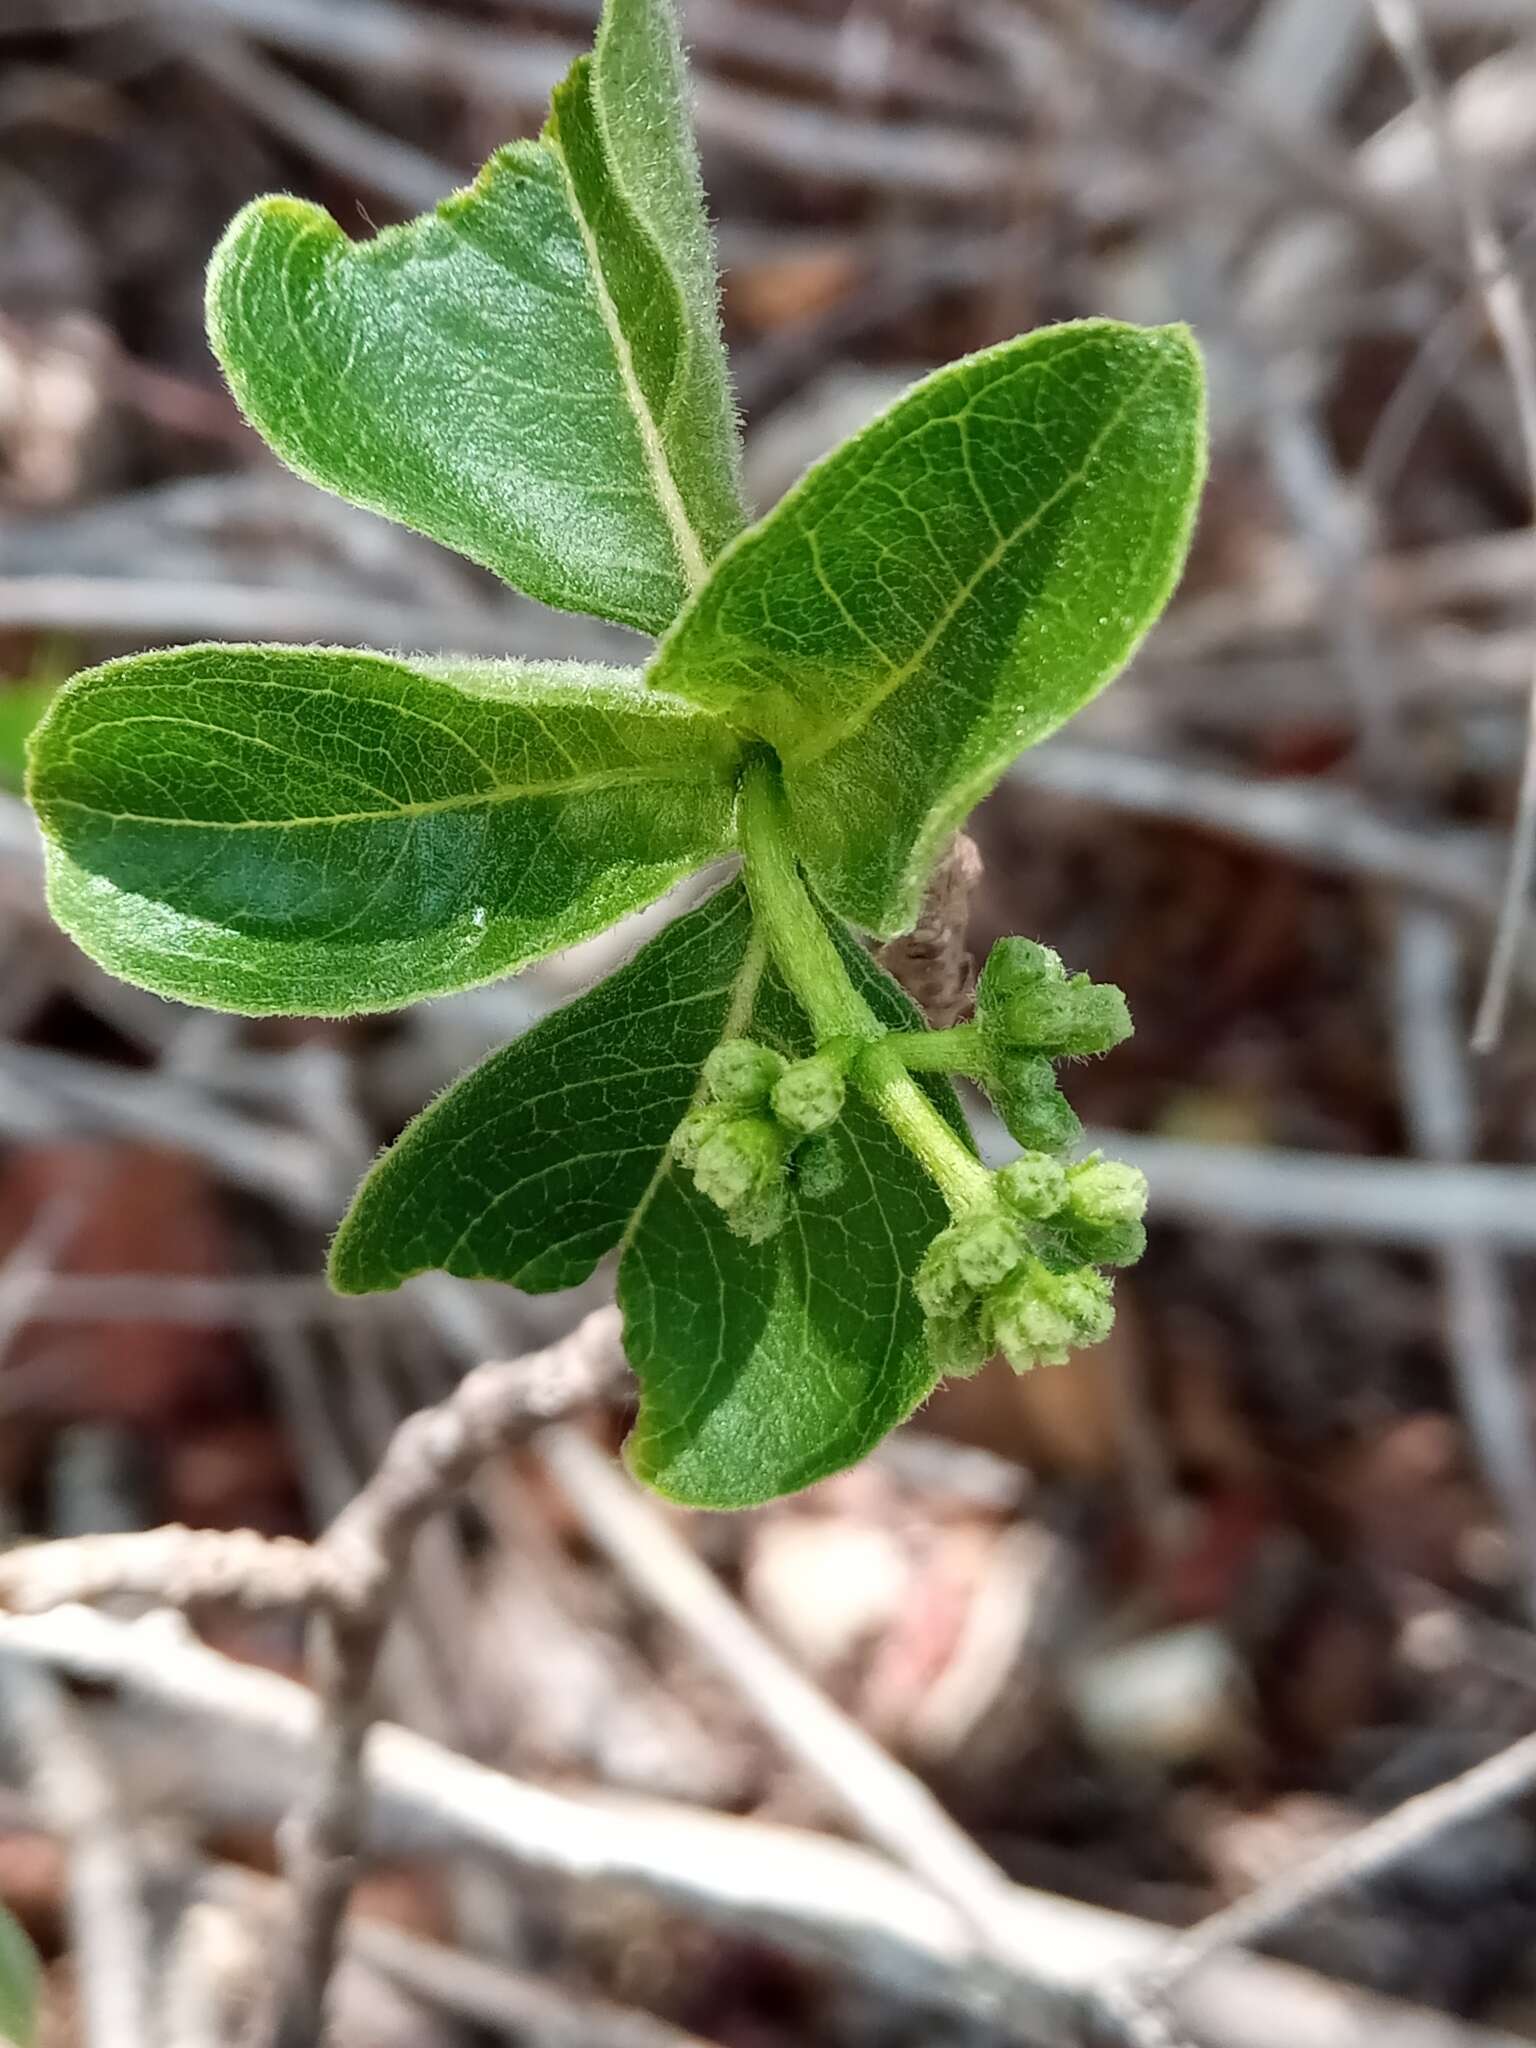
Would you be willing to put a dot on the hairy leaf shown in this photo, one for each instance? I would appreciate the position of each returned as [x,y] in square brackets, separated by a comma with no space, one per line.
[533,373]
[764,1367]
[530,1168]
[947,588]
[294,829]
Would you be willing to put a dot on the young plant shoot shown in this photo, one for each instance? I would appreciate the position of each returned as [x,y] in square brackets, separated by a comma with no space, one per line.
[750,1111]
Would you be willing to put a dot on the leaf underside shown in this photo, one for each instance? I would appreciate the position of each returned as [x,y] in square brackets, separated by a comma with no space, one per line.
[322,833]
[533,373]
[762,1367]
[946,589]
[529,1168]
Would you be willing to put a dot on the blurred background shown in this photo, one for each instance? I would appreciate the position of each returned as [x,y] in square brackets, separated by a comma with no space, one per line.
[1154,1626]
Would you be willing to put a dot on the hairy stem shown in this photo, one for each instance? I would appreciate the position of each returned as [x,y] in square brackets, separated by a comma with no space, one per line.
[805,955]
[956,1051]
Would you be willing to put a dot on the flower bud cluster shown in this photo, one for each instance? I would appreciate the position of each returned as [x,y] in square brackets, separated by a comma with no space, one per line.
[759,1112]
[1020,1275]
[1030,1013]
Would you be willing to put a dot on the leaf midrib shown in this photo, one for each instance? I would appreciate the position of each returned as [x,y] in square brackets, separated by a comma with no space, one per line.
[827,738]
[407,813]
[690,550]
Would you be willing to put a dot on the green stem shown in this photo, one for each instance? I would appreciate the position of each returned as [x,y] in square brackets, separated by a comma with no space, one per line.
[959,1050]
[797,938]
[884,1081]
[805,955]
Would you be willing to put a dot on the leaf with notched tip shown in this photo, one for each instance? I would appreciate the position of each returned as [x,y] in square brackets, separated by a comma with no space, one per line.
[531,374]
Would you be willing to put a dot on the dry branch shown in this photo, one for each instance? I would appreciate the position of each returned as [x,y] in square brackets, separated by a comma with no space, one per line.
[821,1898]
[889,1805]
[1508,317]
[364,1554]
[1326,828]
[1479,1307]
[77,1798]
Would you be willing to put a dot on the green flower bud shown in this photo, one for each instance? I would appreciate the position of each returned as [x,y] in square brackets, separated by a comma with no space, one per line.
[819,1166]
[987,1247]
[762,1215]
[1059,1018]
[1033,1186]
[939,1285]
[1026,1324]
[1040,1315]
[1034,1110]
[1026,1003]
[1106,1191]
[739,1161]
[809,1095]
[741,1072]
[1013,968]
[1086,1301]
[956,1344]
[695,1127]
[1074,1243]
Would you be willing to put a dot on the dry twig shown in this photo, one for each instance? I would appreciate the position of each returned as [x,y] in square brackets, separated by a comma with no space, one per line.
[1479,1309]
[486,1994]
[77,1798]
[1327,828]
[1510,322]
[365,1551]
[819,1897]
[889,1805]
[349,1578]
[1372,1850]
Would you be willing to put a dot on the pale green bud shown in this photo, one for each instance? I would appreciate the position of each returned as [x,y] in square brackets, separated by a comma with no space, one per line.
[1036,1113]
[1015,966]
[741,1072]
[987,1248]
[1025,1001]
[1107,1191]
[1086,1299]
[819,1167]
[762,1215]
[1033,1186]
[939,1285]
[809,1095]
[1059,1018]
[698,1125]
[956,1344]
[1097,1244]
[738,1161]
[1026,1325]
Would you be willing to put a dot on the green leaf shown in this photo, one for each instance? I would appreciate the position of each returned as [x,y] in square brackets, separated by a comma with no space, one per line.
[767,1366]
[532,374]
[763,1367]
[946,589]
[529,1169]
[321,832]
[20,1983]
[21,707]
